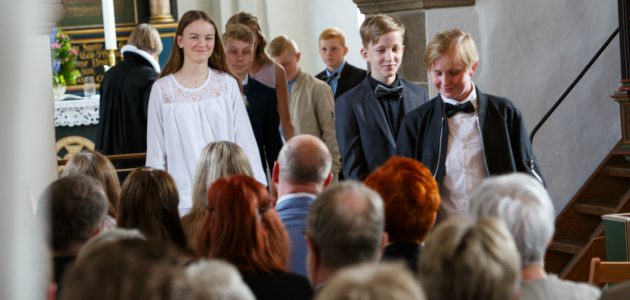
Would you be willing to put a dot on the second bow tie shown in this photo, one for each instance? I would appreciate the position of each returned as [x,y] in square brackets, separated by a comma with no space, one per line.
[382,91]
[451,110]
[327,79]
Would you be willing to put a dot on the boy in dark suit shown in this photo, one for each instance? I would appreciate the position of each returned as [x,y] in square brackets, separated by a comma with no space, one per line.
[369,115]
[464,135]
[339,74]
[261,99]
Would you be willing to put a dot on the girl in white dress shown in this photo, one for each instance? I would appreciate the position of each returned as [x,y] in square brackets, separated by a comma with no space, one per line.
[197,100]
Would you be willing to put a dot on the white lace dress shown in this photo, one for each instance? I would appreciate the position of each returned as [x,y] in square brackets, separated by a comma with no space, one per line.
[182,121]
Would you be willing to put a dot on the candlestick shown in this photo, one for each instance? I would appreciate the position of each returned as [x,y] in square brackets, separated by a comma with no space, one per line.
[112,57]
[109,24]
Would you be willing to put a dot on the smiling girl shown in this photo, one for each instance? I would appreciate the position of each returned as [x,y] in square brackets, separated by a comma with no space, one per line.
[196,101]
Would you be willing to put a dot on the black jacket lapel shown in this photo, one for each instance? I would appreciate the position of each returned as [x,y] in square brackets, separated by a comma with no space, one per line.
[371,105]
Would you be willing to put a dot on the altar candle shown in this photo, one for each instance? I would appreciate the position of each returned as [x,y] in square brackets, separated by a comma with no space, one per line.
[109,24]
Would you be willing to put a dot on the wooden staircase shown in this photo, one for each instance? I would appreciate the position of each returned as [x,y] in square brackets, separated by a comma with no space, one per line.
[607,191]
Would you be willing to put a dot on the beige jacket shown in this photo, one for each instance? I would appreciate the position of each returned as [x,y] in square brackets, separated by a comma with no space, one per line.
[312,109]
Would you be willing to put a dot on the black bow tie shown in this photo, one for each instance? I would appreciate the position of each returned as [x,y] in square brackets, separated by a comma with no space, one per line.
[390,93]
[245,89]
[451,109]
[335,75]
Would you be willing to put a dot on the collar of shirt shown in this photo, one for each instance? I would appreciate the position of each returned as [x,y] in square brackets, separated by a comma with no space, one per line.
[328,73]
[246,80]
[290,84]
[288,196]
[375,82]
[471,97]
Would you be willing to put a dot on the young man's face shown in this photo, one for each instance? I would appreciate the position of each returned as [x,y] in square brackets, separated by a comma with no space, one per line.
[240,56]
[452,78]
[290,62]
[332,53]
[385,56]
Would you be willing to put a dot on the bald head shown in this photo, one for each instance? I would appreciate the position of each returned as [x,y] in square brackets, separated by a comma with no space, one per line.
[304,160]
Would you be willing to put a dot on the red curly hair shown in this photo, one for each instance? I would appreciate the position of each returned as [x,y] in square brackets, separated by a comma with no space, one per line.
[411,198]
[242,226]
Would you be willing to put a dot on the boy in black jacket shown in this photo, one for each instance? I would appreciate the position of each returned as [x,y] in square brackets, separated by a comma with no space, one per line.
[463,135]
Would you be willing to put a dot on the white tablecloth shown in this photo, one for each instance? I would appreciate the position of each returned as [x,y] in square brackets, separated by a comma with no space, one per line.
[81,112]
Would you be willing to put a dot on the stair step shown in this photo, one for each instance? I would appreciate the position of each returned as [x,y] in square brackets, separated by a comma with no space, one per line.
[569,245]
[595,208]
[616,172]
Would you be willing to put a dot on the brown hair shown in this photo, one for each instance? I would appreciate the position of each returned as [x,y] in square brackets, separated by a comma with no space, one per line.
[459,45]
[92,163]
[375,26]
[217,60]
[246,18]
[217,160]
[146,37]
[281,43]
[239,32]
[333,33]
[148,202]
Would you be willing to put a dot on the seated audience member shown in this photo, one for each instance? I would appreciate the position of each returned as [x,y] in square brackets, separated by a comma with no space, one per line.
[470,260]
[242,227]
[262,106]
[94,164]
[411,198]
[110,236]
[130,269]
[618,292]
[345,226]
[311,102]
[124,98]
[301,173]
[524,205]
[217,160]
[78,208]
[148,202]
[388,281]
[340,75]
[215,280]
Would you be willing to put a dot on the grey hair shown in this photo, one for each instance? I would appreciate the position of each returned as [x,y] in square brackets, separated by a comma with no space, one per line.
[305,159]
[524,205]
[216,280]
[110,236]
[346,223]
[390,281]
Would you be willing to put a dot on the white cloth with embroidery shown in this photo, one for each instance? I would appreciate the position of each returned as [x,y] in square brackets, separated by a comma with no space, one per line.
[182,121]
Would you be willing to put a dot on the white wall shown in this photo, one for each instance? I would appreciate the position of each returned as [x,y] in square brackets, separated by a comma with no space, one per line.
[530,52]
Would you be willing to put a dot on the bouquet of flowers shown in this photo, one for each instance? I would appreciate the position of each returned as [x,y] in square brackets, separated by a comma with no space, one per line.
[63,58]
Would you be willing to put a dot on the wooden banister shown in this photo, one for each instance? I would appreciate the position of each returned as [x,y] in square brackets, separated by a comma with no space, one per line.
[116,157]
[605,272]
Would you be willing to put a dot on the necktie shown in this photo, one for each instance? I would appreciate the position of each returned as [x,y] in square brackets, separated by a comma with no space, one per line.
[451,110]
[245,89]
[327,79]
[389,93]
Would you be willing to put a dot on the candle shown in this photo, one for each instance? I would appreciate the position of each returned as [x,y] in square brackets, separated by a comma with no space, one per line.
[109,24]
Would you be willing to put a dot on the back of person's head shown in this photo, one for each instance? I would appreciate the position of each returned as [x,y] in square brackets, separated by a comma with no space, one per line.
[242,226]
[411,198]
[239,32]
[215,280]
[524,205]
[281,43]
[148,202]
[459,46]
[471,260]
[146,37]
[130,269]
[391,281]
[217,160]
[305,159]
[333,33]
[96,165]
[249,19]
[110,236]
[346,224]
[375,26]
[78,207]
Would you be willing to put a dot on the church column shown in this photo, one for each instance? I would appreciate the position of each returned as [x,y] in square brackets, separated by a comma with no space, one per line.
[160,11]
[412,14]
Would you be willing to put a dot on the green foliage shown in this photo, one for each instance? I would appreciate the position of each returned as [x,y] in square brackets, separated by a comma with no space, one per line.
[63,58]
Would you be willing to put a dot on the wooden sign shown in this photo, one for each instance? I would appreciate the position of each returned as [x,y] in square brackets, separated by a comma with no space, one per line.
[91,59]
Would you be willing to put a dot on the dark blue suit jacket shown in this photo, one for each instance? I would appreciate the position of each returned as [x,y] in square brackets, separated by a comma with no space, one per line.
[293,212]
[262,109]
[363,134]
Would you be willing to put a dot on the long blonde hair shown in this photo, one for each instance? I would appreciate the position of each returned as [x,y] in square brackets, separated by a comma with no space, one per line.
[217,160]
[246,18]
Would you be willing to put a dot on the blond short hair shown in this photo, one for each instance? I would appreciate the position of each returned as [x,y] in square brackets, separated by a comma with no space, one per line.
[375,26]
[333,33]
[369,281]
[281,43]
[459,45]
[464,259]
[239,32]
[146,38]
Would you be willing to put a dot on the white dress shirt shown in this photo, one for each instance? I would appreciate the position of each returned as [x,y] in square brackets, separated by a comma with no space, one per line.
[465,165]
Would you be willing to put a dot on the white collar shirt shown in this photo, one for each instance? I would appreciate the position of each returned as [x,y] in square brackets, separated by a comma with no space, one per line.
[465,166]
